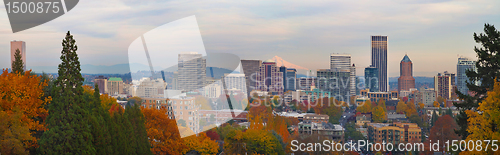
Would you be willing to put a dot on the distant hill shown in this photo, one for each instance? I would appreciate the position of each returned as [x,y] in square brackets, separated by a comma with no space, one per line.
[96,69]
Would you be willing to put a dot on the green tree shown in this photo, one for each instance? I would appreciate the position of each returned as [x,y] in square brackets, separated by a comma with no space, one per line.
[68,122]
[434,117]
[100,129]
[13,132]
[449,112]
[417,119]
[488,69]
[351,133]
[137,120]
[18,64]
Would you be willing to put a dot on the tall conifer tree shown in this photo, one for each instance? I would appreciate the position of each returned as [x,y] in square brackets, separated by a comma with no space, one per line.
[488,69]
[138,121]
[18,64]
[68,126]
[100,129]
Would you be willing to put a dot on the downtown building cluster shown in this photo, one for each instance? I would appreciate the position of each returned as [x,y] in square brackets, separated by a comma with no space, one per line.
[193,93]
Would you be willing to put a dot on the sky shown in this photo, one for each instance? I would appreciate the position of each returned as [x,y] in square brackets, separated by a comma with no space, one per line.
[433,33]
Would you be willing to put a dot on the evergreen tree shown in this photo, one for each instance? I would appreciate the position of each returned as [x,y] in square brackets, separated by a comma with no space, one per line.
[488,69]
[100,129]
[67,123]
[18,64]
[434,117]
[137,119]
[449,112]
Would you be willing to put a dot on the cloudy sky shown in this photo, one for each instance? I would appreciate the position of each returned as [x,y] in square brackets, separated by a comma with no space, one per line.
[432,32]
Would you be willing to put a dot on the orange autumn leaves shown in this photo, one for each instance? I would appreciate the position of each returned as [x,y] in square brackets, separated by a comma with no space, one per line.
[24,93]
[164,135]
[162,131]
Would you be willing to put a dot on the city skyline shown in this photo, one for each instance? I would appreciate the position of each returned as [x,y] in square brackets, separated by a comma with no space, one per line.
[420,28]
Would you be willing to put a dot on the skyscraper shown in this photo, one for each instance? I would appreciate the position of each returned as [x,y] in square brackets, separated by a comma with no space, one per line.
[336,82]
[291,79]
[463,65]
[371,79]
[21,45]
[352,80]
[379,60]
[444,83]
[283,70]
[342,62]
[269,78]
[405,80]
[250,68]
[192,69]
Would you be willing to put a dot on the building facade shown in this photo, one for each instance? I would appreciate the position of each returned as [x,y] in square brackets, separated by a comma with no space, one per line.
[427,96]
[192,71]
[150,88]
[305,83]
[283,71]
[235,81]
[394,133]
[115,86]
[335,81]
[158,103]
[371,79]
[291,79]
[343,62]
[21,46]
[250,68]
[406,80]
[269,78]
[330,131]
[463,65]
[375,96]
[340,61]
[186,109]
[101,82]
[379,60]
[352,80]
[444,84]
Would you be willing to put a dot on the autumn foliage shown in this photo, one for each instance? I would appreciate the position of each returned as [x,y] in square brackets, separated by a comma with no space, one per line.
[201,143]
[162,131]
[23,93]
[483,124]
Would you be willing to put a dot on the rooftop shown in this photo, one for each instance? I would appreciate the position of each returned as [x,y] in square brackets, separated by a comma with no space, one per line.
[115,79]
[406,59]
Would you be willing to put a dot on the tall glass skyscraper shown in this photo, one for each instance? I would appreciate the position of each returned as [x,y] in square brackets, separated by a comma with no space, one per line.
[463,65]
[371,79]
[379,60]
[283,70]
[291,79]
